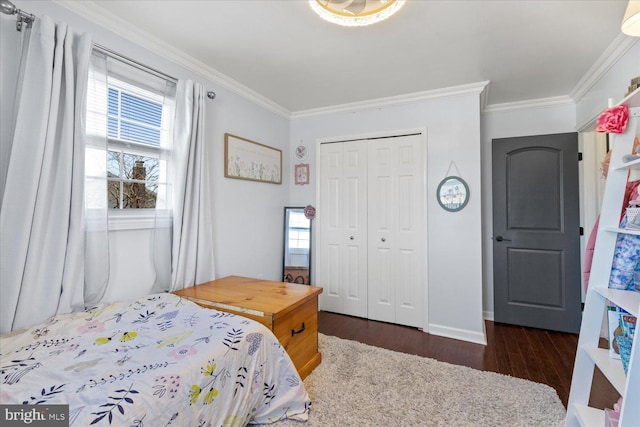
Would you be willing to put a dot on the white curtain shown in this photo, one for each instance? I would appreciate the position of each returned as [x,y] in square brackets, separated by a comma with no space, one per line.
[189,199]
[41,220]
[96,256]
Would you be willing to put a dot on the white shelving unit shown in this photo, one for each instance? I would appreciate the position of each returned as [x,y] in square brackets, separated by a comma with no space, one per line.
[588,354]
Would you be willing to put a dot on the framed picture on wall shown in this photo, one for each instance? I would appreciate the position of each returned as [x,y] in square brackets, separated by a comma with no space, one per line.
[301,173]
[252,161]
[453,193]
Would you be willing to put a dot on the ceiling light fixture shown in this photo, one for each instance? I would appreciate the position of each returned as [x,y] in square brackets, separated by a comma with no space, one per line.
[355,13]
[631,20]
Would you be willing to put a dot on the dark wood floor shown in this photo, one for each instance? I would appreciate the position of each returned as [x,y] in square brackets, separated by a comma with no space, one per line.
[533,354]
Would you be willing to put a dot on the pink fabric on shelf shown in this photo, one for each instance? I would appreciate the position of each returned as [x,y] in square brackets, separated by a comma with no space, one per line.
[631,192]
[588,254]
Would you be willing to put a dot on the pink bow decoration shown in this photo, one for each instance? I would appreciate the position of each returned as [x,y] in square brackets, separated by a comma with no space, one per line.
[613,120]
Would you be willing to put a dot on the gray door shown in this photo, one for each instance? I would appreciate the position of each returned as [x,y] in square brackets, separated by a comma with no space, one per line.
[536,232]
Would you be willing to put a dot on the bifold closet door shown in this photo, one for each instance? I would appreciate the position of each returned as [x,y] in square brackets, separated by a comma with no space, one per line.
[343,228]
[395,230]
[371,229]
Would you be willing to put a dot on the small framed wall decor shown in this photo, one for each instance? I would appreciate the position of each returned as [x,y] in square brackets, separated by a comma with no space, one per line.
[301,152]
[301,173]
[250,160]
[453,193]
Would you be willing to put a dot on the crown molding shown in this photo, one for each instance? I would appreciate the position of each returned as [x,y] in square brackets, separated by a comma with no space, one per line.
[484,97]
[391,101]
[620,45]
[554,101]
[90,10]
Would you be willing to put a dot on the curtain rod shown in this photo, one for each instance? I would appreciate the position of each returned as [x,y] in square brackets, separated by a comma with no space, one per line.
[9,8]
[134,63]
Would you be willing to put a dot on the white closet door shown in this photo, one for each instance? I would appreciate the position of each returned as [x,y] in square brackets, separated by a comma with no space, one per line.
[396,216]
[343,228]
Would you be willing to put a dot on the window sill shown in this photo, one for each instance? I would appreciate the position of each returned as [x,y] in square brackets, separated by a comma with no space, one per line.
[144,220]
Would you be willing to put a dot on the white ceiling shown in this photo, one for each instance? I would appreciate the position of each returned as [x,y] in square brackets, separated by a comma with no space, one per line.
[282,51]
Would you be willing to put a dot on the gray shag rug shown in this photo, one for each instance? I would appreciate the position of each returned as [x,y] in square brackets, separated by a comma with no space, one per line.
[360,385]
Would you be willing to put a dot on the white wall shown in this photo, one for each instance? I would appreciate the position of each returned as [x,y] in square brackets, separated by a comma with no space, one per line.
[454,253]
[248,222]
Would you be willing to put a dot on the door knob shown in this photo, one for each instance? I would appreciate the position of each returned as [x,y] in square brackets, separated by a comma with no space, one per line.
[502,239]
[383,239]
[350,237]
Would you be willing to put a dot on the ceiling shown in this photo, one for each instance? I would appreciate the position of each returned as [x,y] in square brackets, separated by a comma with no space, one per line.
[283,52]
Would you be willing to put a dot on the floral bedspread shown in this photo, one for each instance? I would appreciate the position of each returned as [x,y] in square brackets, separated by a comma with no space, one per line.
[161,360]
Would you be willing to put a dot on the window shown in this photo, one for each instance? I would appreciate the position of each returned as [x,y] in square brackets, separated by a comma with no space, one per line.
[133,163]
[129,129]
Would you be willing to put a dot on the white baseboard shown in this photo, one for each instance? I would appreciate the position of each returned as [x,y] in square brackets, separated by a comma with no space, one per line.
[488,315]
[458,334]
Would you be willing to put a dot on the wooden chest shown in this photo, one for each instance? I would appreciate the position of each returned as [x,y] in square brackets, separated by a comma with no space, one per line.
[290,310]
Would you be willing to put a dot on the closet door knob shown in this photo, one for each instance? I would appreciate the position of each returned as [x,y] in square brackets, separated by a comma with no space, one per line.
[383,239]
[502,239]
[350,237]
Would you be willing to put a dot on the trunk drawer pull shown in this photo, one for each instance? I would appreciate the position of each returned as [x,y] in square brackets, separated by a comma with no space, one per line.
[301,330]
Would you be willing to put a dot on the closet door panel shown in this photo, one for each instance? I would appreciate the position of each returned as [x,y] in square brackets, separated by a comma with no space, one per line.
[408,234]
[354,277]
[355,178]
[331,228]
[405,295]
[355,232]
[381,285]
[382,294]
[333,271]
[382,277]
[353,209]
[343,245]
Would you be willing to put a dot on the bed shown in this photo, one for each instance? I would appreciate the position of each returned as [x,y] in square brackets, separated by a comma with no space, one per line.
[156,361]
